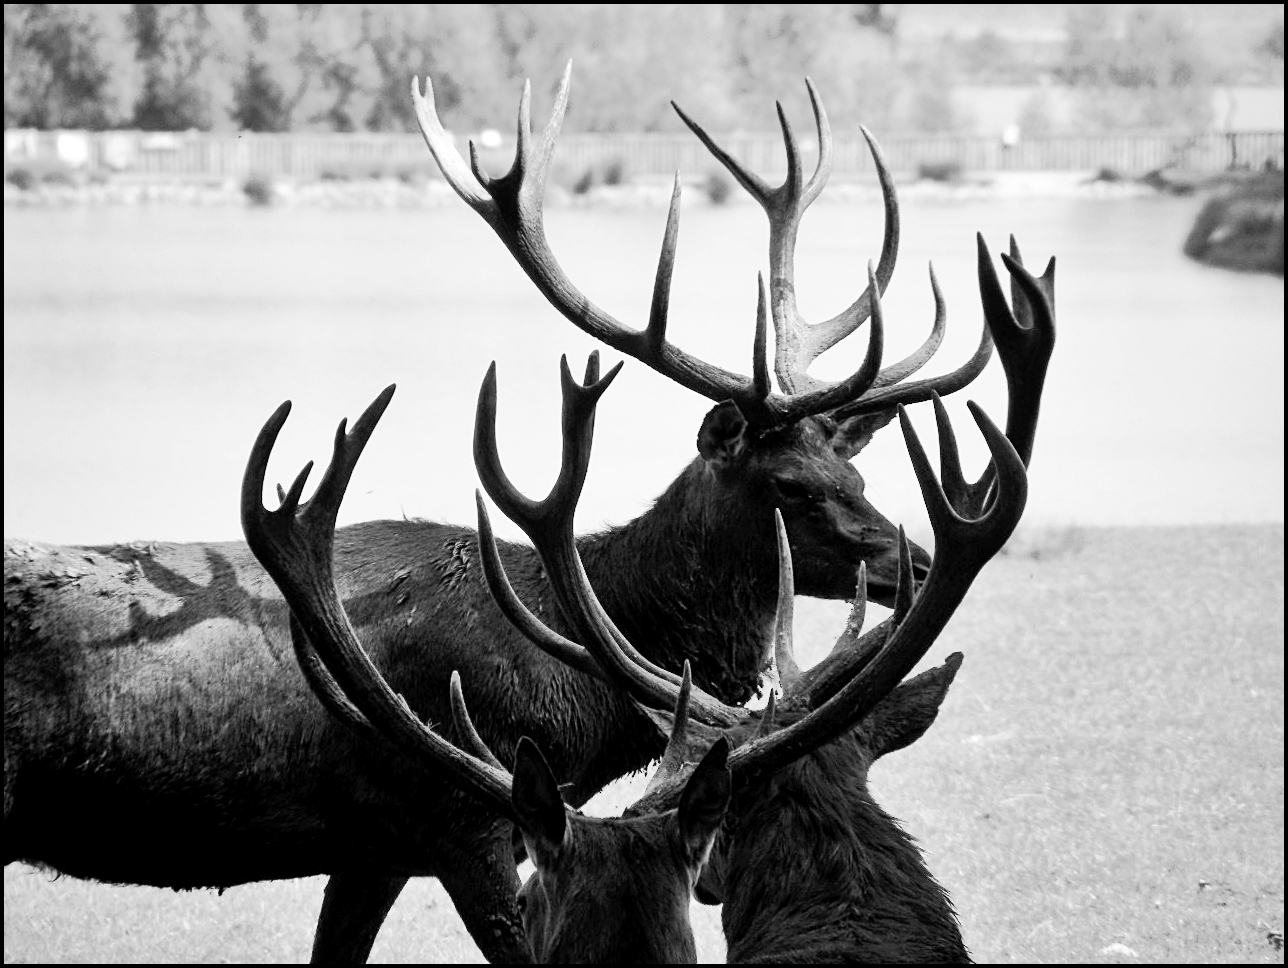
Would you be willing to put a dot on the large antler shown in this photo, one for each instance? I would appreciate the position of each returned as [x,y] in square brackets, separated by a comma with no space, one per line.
[1025,338]
[294,544]
[797,342]
[862,670]
[512,206]
[962,547]
[604,651]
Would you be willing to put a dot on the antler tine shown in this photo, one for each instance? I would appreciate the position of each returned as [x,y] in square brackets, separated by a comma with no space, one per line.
[1025,337]
[823,170]
[798,344]
[465,725]
[858,612]
[512,206]
[293,534]
[910,364]
[328,691]
[549,525]
[921,390]
[962,548]
[547,517]
[677,745]
[463,181]
[324,686]
[503,593]
[801,343]
[789,672]
[294,545]
[853,650]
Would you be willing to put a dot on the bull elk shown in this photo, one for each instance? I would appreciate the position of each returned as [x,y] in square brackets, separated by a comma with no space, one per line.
[641,913]
[808,867]
[158,681]
[841,882]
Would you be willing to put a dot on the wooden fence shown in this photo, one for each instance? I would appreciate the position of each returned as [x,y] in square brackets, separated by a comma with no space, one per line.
[211,156]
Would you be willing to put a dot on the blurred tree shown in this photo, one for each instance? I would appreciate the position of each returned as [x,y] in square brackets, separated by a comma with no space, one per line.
[1271,51]
[931,109]
[1037,114]
[306,66]
[1148,71]
[876,16]
[773,47]
[1090,46]
[66,66]
[189,55]
[453,44]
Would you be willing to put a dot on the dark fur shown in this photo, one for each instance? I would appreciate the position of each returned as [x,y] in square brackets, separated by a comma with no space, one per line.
[153,688]
[811,870]
[617,891]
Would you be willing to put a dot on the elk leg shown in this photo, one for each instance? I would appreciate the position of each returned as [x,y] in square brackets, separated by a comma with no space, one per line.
[354,906]
[484,885]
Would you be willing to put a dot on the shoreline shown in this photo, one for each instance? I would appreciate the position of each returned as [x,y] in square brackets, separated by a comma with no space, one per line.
[641,193]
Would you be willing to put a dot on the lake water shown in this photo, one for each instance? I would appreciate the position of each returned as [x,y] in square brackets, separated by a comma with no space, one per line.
[144,347]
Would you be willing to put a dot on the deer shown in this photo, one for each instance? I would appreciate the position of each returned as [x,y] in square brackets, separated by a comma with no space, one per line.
[157,681]
[808,867]
[656,858]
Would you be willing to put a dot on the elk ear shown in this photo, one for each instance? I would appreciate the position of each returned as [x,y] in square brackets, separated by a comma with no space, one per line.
[723,435]
[704,802]
[537,804]
[903,717]
[855,433]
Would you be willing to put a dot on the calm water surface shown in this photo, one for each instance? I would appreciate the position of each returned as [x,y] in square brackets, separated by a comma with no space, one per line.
[144,347]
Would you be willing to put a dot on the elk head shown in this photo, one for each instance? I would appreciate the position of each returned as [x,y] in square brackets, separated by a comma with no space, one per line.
[758,448]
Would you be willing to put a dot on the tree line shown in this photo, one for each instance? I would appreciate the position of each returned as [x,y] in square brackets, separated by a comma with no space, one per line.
[347,67]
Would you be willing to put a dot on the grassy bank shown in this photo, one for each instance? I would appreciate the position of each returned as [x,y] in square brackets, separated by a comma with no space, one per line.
[1105,782]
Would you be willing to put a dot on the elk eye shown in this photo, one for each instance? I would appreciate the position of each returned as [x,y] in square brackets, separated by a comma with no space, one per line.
[792,491]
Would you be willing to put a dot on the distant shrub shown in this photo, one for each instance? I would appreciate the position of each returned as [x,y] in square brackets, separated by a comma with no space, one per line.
[940,171]
[409,174]
[21,178]
[584,183]
[41,171]
[718,187]
[258,189]
[614,172]
[57,176]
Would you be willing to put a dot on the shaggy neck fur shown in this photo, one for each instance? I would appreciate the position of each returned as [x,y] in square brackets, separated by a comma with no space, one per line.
[690,579]
[817,872]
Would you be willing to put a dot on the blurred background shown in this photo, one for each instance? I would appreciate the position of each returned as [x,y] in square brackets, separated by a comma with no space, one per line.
[212,208]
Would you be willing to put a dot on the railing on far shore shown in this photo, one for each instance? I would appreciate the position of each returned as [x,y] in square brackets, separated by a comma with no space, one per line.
[199,155]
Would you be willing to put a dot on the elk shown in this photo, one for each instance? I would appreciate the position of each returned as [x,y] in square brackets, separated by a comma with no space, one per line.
[157,681]
[808,866]
[862,890]
[642,910]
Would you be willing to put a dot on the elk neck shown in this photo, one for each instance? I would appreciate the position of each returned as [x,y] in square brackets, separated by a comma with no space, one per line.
[817,871]
[691,578]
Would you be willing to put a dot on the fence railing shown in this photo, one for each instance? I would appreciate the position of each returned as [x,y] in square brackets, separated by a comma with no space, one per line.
[203,155]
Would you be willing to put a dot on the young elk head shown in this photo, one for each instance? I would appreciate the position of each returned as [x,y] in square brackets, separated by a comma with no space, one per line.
[633,878]
[808,866]
[758,449]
